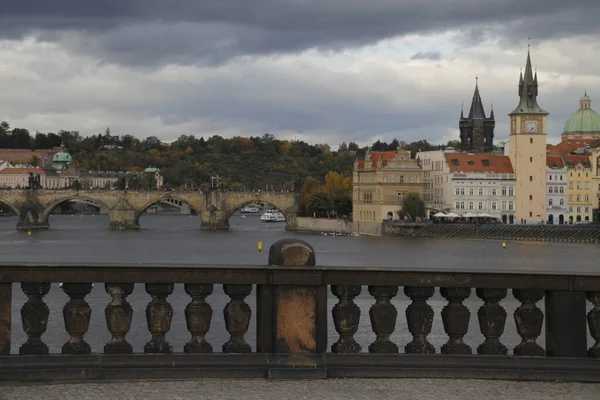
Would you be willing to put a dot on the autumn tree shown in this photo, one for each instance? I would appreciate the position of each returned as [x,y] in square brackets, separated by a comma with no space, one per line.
[34,161]
[311,186]
[413,205]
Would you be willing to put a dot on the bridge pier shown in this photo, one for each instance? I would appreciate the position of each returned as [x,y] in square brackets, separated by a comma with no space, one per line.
[31,217]
[214,220]
[123,216]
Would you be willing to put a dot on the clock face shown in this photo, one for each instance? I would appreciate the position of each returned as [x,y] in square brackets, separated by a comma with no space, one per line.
[531,126]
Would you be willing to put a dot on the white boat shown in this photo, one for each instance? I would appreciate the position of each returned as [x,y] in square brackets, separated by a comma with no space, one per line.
[272,216]
[250,210]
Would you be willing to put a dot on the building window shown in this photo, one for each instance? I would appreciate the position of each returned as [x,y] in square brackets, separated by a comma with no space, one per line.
[411,179]
[578,209]
[578,185]
[587,198]
[457,191]
[587,209]
[587,185]
[510,191]
[570,209]
[562,189]
[510,206]
[555,189]
[530,159]
[470,205]
[550,189]
[457,205]
[471,192]
[549,202]
[481,192]
[504,206]
[531,140]
[462,205]
[560,177]
[562,202]
[571,198]
[530,214]
[400,196]
[401,178]
[493,192]
[503,190]
[480,205]
[462,192]
[570,185]
[493,205]
[530,197]
[530,178]
[550,178]
[578,197]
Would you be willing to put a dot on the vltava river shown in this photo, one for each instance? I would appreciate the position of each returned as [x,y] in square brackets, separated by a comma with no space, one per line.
[176,239]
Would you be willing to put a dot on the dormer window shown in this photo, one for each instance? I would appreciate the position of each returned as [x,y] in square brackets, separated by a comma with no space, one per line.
[485,162]
[470,162]
[454,162]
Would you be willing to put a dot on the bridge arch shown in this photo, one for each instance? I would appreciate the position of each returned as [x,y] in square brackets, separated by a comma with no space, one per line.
[55,203]
[11,206]
[141,210]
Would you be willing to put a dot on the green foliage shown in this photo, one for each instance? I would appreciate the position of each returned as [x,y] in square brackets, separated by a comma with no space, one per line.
[413,205]
[333,199]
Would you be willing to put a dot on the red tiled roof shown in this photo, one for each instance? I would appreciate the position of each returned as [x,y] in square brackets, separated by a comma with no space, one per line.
[13,171]
[385,156]
[554,161]
[464,162]
[567,146]
[573,160]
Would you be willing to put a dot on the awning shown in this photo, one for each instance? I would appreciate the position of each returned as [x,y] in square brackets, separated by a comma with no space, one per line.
[440,215]
[453,215]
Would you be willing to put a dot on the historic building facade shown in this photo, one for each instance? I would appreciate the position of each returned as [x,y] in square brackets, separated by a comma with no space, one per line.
[595,164]
[476,183]
[18,178]
[380,181]
[556,182]
[528,130]
[477,130]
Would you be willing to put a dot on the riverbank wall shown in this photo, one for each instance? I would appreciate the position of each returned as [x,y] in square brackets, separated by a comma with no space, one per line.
[326,225]
[540,233]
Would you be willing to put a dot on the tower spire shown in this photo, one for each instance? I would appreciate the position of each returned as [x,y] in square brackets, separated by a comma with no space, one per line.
[528,90]
[476,111]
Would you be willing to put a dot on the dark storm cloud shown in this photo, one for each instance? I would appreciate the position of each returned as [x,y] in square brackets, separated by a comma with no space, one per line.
[143,32]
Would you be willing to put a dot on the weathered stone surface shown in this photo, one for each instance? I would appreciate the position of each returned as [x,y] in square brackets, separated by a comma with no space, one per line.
[492,318]
[237,318]
[295,318]
[593,318]
[383,316]
[346,318]
[159,314]
[529,319]
[293,253]
[34,316]
[419,316]
[77,313]
[31,215]
[118,317]
[456,316]
[198,315]
[5,317]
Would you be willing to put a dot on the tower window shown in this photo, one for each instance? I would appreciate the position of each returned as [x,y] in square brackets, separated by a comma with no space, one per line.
[530,198]
[485,162]
[531,140]
[530,178]
[531,160]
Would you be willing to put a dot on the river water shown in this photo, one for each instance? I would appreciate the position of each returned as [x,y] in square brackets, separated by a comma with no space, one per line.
[177,239]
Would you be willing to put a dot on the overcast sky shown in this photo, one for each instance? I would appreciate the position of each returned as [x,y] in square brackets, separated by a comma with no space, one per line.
[323,71]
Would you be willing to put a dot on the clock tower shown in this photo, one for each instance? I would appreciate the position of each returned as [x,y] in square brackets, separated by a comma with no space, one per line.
[528,129]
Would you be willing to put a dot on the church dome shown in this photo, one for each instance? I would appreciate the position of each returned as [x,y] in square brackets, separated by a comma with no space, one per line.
[62,156]
[585,119]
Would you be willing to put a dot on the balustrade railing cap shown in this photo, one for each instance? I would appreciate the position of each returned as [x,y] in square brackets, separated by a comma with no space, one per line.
[292,253]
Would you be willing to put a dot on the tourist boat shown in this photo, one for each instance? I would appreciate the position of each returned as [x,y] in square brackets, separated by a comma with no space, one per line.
[272,216]
[250,210]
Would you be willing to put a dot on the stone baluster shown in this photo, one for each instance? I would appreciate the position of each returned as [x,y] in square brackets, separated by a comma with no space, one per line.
[383,316]
[34,316]
[159,314]
[455,316]
[237,318]
[77,313]
[346,317]
[419,317]
[593,318]
[492,318]
[118,317]
[529,319]
[198,315]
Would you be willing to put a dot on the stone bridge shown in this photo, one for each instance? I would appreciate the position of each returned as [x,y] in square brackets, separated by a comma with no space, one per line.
[125,207]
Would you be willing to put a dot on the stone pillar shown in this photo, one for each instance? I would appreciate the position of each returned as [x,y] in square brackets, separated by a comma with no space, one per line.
[292,320]
[31,217]
[566,324]
[123,216]
[214,220]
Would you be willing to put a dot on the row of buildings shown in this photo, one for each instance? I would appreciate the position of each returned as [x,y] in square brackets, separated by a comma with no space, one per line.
[62,175]
[526,182]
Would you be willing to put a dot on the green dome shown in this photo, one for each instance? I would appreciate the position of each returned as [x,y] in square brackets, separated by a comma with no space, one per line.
[62,156]
[585,119]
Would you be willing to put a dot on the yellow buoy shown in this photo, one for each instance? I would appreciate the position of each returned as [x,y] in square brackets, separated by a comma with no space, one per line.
[28,233]
[503,245]
[260,247]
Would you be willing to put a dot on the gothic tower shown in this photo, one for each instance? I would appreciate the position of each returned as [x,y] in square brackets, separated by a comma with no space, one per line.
[477,130]
[528,129]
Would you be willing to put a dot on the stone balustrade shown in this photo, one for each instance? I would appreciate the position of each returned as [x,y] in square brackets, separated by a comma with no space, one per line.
[291,322]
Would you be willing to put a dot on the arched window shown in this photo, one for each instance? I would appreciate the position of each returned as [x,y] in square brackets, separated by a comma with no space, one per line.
[470,205]
[503,190]
[493,192]
[481,192]
[562,202]
[510,191]
[480,205]
[457,205]
[550,189]
[462,192]
[462,205]
[510,206]
[562,189]
[457,191]
[493,205]
[471,192]
[556,189]
[504,206]
[549,202]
